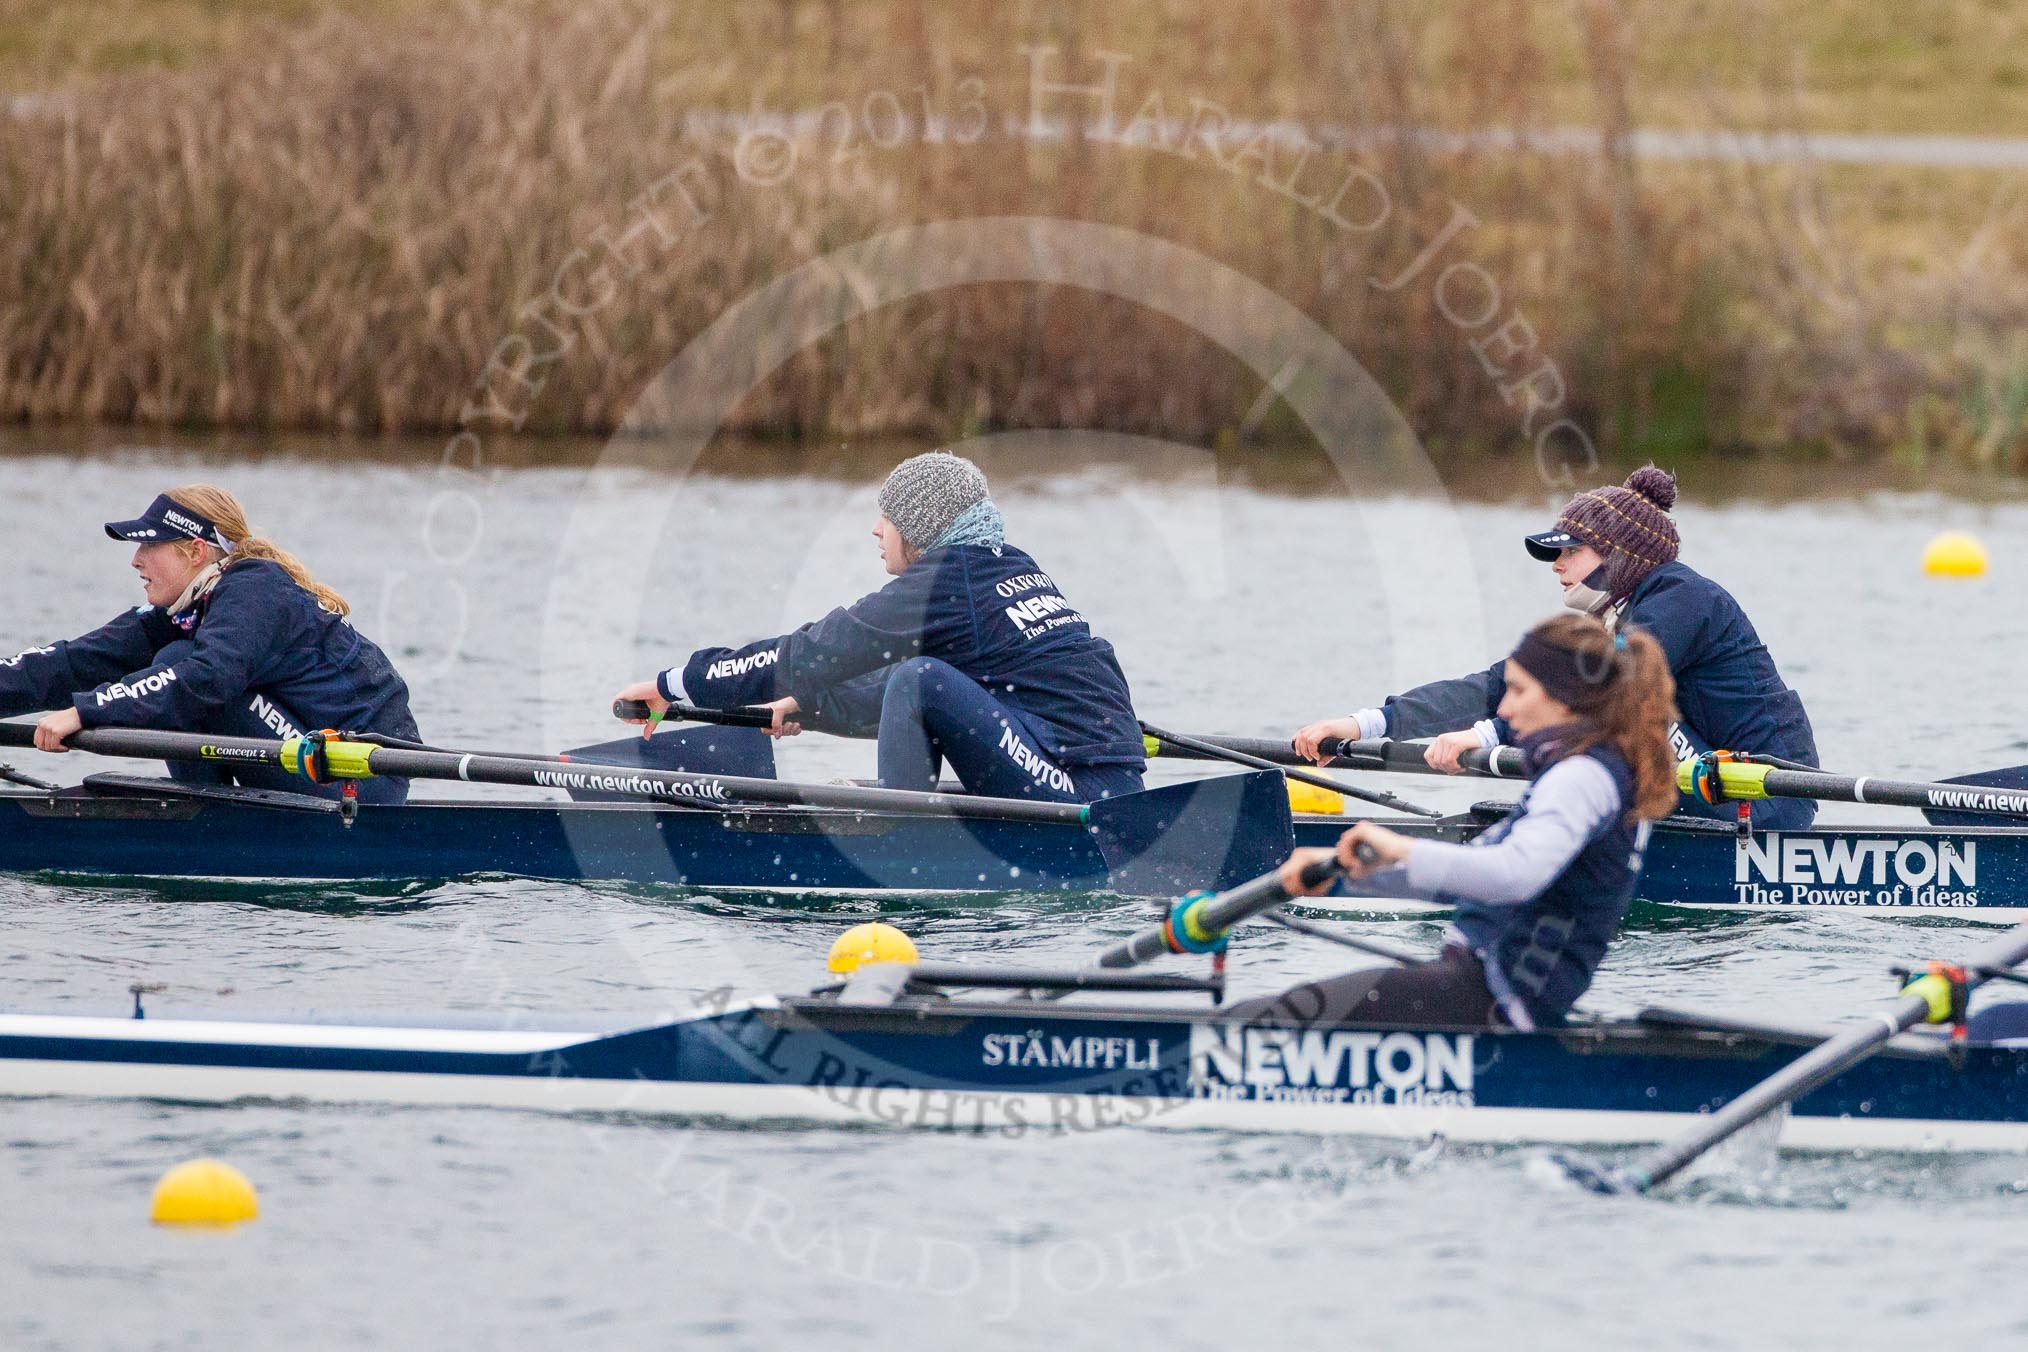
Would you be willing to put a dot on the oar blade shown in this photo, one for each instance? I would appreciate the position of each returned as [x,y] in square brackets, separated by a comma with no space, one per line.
[2013,777]
[1574,1166]
[745,752]
[1593,1175]
[1155,843]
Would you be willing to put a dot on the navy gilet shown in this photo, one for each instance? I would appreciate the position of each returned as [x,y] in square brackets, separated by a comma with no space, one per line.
[1543,951]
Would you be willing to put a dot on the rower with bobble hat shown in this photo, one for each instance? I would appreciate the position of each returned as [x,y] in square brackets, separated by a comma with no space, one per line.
[1615,551]
[1628,527]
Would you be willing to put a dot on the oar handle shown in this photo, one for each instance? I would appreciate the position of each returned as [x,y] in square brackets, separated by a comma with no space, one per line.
[1215,750]
[1384,753]
[1205,920]
[744,716]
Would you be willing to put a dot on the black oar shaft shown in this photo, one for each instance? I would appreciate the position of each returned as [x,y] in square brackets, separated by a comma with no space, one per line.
[1813,1069]
[1895,792]
[1381,753]
[1216,751]
[717,790]
[1261,748]
[1384,753]
[148,744]
[669,786]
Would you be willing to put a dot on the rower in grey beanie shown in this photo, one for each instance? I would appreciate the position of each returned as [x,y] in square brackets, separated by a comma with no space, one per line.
[927,492]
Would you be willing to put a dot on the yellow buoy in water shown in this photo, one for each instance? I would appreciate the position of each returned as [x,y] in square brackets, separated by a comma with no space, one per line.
[1954,554]
[1313,798]
[204,1192]
[874,941]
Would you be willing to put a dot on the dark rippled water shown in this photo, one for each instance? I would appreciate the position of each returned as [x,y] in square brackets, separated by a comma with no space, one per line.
[1241,601]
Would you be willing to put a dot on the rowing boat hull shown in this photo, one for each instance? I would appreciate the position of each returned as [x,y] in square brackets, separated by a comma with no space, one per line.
[1980,872]
[771,849]
[1209,833]
[1049,1070]
[1976,872]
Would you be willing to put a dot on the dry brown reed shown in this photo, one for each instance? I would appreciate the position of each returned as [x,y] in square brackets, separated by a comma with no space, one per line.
[336,226]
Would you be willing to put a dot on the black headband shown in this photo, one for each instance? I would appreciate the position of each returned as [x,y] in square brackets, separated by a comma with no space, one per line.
[1578,679]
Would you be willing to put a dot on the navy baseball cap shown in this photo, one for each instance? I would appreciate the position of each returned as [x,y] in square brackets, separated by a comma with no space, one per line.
[167,519]
[1547,544]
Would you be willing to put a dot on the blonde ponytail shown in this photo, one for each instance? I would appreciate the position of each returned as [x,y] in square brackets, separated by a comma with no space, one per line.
[222,509]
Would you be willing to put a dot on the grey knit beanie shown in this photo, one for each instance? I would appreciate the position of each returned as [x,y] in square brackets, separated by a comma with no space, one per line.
[925,493]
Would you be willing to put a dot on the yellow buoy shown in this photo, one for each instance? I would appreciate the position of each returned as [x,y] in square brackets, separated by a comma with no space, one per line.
[874,941]
[1954,554]
[1311,798]
[204,1192]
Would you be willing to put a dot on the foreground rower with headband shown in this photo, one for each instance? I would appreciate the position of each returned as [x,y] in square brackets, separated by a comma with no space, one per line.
[1539,894]
[236,640]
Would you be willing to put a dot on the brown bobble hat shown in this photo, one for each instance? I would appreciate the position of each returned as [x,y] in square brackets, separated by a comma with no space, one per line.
[1629,526]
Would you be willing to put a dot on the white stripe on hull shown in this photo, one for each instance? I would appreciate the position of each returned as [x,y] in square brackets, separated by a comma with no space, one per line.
[1005,1113]
[307,1035]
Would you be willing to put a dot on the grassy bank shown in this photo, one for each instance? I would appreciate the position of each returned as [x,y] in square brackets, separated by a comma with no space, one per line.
[269,214]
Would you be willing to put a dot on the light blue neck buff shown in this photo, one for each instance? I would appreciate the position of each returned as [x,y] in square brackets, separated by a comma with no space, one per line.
[978,524]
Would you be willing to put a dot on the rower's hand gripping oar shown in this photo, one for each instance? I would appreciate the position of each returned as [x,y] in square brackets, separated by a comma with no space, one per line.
[1214,751]
[1381,753]
[1384,753]
[742,716]
[1937,997]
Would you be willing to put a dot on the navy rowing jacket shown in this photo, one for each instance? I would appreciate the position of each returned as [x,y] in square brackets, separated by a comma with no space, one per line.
[1727,689]
[991,613]
[257,636]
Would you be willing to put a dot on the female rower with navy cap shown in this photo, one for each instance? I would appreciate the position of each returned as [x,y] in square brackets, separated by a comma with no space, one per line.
[1614,550]
[970,655]
[236,640]
[1540,893]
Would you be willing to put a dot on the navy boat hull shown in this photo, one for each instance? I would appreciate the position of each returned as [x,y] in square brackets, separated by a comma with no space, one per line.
[1051,1069]
[1981,872]
[1210,833]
